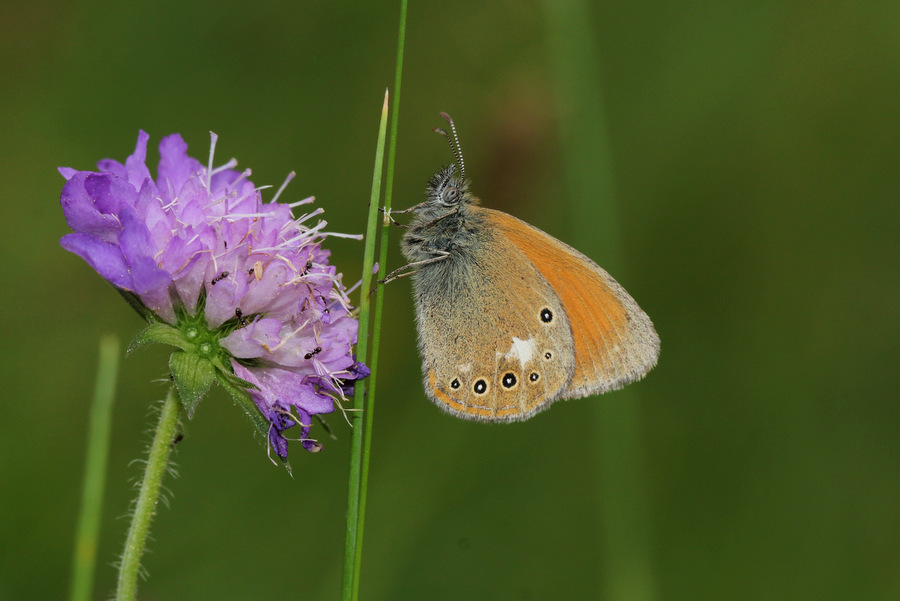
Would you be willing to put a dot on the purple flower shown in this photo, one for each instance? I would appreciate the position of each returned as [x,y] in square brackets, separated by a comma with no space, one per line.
[239,285]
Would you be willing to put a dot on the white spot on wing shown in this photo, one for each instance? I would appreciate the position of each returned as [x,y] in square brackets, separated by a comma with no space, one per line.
[464,368]
[523,350]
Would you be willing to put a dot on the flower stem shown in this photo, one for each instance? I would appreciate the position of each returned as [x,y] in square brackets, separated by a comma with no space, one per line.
[85,555]
[145,507]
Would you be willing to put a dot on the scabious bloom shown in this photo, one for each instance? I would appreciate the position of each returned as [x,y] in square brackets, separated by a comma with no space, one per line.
[242,288]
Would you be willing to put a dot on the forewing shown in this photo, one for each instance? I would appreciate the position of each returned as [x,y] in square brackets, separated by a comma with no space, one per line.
[614,340]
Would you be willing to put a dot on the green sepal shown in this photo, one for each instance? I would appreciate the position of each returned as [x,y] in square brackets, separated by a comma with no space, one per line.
[161,333]
[136,304]
[228,372]
[236,388]
[193,376]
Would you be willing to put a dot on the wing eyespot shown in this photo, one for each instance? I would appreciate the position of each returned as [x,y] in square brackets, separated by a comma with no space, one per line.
[509,380]
[546,315]
[534,377]
[480,387]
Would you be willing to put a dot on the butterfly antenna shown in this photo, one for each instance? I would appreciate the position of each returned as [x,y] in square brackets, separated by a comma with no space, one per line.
[454,144]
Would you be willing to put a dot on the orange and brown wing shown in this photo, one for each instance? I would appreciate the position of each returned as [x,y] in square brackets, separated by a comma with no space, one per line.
[615,342]
[494,338]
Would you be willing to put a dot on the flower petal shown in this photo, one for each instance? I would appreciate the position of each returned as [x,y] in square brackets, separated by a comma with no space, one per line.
[105,257]
[254,340]
[81,211]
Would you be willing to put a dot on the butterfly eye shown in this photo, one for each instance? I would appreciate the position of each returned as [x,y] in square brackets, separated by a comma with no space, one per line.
[450,195]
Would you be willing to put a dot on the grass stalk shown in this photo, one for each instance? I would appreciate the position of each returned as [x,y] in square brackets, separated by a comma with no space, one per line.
[84,558]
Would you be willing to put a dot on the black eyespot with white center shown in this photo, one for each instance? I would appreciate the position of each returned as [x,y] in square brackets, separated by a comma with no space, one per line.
[534,376]
[509,380]
[480,386]
[546,315]
[455,384]
[548,355]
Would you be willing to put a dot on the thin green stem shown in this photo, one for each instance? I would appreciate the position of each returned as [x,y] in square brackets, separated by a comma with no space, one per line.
[145,507]
[85,556]
[379,306]
[360,389]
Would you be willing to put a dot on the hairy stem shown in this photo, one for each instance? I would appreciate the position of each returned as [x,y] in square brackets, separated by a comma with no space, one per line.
[147,499]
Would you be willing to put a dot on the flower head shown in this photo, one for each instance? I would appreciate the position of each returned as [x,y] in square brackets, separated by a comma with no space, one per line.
[239,285]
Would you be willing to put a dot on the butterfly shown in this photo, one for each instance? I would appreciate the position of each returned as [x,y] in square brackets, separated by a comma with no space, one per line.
[509,318]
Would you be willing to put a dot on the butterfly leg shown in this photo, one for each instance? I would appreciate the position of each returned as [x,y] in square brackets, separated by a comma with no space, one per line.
[398,273]
[409,210]
[389,212]
[388,216]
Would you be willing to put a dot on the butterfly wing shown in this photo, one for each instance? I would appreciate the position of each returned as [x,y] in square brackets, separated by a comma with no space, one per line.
[495,340]
[613,339]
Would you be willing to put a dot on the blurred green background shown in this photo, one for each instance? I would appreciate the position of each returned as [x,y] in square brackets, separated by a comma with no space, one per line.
[749,153]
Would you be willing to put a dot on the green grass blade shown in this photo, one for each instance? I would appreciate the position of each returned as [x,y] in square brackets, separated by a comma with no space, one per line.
[379,303]
[85,555]
[358,418]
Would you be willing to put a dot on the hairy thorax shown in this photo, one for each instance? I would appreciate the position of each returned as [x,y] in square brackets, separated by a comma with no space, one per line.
[436,230]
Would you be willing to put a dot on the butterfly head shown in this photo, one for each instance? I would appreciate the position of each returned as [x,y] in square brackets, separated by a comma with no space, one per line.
[446,189]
